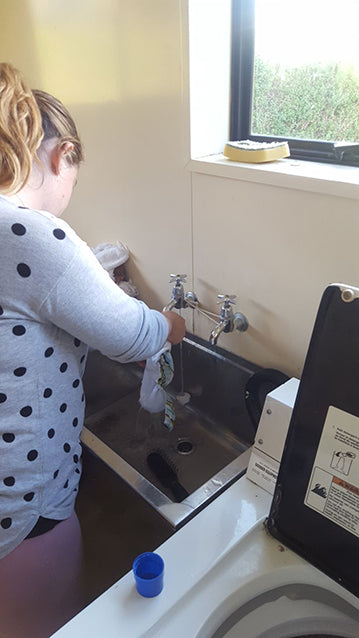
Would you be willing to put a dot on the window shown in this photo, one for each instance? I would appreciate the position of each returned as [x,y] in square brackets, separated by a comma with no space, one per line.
[295,76]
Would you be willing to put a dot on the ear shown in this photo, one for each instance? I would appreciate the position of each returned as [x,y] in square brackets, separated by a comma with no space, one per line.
[58,154]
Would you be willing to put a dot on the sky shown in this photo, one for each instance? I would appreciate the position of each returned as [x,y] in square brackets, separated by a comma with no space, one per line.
[297,32]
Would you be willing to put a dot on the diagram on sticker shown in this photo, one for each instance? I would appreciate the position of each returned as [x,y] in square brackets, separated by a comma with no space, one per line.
[342,461]
[320,490]
[333,487]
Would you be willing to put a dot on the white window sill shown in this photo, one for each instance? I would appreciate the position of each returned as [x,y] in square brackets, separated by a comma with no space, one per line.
[328,179]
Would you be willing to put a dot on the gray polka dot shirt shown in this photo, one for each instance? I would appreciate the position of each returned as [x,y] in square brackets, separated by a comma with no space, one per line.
[55,301]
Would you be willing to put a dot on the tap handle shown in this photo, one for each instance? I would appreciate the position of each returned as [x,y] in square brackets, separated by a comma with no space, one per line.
[178,278]
[226,299]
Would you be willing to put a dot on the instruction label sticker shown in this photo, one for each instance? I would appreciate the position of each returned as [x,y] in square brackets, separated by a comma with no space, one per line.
[333,488]
[263,470]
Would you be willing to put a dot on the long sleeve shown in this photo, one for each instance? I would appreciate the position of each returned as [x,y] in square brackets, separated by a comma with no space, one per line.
[55,278]
[86,303]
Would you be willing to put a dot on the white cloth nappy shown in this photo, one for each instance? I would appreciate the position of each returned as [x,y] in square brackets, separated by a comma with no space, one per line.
[111,255]
[156,377]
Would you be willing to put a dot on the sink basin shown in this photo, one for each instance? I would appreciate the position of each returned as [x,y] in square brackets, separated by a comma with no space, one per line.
[209,446]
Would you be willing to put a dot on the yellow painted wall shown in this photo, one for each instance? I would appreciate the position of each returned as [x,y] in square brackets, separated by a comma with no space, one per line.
[117,65]
[121,66]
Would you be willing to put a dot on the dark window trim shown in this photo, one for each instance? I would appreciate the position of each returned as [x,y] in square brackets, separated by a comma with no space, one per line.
[242,68]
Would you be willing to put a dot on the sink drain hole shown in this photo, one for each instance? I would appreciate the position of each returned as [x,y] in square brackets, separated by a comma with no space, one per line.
[185,446]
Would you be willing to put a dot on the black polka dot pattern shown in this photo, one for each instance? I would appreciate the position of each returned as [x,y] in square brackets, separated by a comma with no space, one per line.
[6,522]
[40,439]
[24,270]
[9,481]
[19,330]
[18,229]
[19,372]
[26,411]
[59,233]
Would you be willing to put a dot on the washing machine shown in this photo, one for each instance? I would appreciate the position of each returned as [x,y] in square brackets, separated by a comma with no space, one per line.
[295,572]
[279,595]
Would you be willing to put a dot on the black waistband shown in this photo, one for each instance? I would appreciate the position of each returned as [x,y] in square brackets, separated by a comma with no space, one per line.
[42,526]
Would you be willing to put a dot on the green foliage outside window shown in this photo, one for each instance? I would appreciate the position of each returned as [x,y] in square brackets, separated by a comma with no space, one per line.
[313,102]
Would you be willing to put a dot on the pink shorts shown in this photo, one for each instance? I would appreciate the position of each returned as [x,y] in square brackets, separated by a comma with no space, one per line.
[41,583]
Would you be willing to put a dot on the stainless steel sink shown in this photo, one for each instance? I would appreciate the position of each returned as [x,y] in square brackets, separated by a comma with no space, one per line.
[206,451]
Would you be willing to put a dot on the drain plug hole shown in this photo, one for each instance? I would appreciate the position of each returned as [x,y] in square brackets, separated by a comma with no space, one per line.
[184,447]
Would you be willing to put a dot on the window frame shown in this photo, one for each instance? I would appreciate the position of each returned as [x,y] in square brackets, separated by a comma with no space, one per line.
[241,97]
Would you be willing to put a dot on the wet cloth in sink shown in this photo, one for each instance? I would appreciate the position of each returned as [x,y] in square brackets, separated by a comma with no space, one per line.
[156,377]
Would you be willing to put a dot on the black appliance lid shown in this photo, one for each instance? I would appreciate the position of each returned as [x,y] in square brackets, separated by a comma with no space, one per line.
[315,507]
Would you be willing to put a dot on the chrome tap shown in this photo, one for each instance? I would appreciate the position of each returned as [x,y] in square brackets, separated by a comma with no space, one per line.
[178,297]
[227,320]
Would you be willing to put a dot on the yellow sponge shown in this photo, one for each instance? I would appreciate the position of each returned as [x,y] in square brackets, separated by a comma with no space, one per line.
[255,152]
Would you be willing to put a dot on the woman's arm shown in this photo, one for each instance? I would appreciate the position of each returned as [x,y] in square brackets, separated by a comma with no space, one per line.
[86,303]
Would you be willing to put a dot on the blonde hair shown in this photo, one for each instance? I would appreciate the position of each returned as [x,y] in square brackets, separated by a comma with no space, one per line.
[20,129]
[26,119]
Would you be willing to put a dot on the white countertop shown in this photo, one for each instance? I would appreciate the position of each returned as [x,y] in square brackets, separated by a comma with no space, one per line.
[190,555]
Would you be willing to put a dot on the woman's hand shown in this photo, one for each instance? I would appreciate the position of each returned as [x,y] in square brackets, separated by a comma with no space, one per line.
[176,325]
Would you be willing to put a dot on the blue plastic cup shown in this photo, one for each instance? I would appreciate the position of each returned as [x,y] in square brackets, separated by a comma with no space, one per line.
[148,570]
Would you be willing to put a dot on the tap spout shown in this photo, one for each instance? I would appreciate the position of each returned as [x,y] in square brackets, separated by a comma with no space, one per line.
[227,320]
[220,327]
[170,305]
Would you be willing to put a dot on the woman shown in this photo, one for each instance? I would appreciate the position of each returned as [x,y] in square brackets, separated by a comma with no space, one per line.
[55,300]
